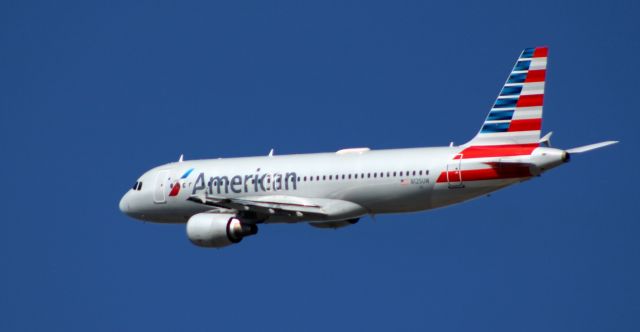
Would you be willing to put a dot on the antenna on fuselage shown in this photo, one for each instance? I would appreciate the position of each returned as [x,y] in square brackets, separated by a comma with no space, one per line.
[181,158]
[271,153]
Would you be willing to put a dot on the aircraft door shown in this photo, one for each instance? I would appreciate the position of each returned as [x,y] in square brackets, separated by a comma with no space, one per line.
[454,172]
[160,188]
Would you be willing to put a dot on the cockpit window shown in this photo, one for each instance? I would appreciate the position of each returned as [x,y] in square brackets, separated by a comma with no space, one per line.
[140,185]
[135,186]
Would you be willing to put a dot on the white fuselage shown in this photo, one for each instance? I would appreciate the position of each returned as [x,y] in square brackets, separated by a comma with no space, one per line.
[382,181]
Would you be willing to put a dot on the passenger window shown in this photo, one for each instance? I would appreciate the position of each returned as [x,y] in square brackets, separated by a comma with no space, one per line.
[394,174]
[420,173]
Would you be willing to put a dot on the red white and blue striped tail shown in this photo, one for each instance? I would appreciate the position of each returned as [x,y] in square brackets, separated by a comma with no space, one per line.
[516,116]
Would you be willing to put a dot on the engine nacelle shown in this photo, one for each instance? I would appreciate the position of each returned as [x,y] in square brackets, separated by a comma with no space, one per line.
[216,230]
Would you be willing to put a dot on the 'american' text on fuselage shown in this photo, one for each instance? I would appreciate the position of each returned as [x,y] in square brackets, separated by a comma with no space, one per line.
[246,183]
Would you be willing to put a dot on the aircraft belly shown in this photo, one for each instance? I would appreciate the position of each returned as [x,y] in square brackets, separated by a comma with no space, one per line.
[444,194]
[392,197]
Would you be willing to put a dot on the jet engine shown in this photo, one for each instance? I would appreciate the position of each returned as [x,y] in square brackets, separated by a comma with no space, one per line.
[217,230]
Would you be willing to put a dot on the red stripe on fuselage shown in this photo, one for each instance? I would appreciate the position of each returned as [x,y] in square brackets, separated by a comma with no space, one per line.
[498,172]
[484,151]
[453,177]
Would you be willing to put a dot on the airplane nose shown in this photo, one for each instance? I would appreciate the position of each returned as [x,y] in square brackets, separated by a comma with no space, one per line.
[124,205]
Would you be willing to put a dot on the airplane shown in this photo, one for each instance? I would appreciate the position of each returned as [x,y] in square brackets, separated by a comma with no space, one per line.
[223,201]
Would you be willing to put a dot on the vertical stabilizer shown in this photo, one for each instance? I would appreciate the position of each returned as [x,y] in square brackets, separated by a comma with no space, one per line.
[516,116]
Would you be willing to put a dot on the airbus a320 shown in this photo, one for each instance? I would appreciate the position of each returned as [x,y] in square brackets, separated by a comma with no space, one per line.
[223,201]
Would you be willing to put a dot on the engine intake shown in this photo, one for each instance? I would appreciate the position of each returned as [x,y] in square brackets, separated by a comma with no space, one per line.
[215,230]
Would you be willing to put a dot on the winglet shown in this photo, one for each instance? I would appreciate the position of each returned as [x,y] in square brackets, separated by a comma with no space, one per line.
[590,147]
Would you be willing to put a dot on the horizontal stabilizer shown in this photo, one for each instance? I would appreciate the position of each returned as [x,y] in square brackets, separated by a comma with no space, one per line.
[590,147]
[546,140]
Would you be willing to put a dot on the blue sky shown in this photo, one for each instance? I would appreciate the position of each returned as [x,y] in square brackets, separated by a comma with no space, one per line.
[94,94]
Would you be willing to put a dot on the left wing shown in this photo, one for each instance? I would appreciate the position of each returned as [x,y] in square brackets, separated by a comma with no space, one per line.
[285,208]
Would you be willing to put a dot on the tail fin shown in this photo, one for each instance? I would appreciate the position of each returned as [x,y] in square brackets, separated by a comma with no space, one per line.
[516,116]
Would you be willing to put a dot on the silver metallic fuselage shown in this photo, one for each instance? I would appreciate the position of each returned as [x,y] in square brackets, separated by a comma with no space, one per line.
[388,181]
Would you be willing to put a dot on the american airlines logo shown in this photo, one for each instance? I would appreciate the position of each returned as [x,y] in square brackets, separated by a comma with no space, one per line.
[175,187]
[246,183]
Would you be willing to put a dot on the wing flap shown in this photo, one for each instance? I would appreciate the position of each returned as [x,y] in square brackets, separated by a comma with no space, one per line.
[282,208]
[266,205]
